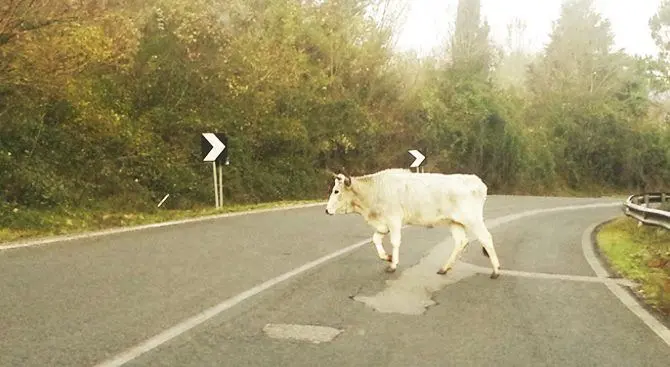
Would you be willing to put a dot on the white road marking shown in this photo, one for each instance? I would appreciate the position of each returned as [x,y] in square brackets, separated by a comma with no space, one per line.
[568,277]
[213,311]
[207,314]
[49,240]
[628,300]
[512,217]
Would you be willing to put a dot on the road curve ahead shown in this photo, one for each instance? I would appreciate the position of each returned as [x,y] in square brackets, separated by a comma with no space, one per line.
[299,288]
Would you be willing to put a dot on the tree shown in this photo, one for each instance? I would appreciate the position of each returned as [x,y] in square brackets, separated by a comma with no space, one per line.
[586,97]
[470,50]
[578,58]
[102,102]
[659,25]
[515,56]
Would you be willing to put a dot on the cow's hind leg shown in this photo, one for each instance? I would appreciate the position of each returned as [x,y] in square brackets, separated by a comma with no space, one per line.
[395,243]
[460,241]
[377,239]
[484,236]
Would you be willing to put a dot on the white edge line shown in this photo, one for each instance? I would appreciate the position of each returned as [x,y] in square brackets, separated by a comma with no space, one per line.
[203,316]
[589,253]
[551,276]
[182,327]
[629,301]
[106,232]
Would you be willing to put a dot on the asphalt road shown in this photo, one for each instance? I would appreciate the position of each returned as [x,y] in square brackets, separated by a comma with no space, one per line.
[82,302]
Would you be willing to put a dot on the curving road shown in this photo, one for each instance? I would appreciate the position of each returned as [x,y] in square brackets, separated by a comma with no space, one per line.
[238,291]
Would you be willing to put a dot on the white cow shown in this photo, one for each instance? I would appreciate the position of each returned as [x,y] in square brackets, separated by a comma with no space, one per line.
[392,198]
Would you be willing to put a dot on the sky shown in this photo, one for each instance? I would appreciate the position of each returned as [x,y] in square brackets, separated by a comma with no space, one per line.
[428,22]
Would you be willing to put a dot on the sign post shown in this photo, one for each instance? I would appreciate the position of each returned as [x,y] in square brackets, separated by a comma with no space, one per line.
[418,159]
[214,149]
[216,187]
[220,185]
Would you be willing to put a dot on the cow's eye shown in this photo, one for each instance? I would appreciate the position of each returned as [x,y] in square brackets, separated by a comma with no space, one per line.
[337,192]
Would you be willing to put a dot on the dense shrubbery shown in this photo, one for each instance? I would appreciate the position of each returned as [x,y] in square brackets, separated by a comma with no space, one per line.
[102,106]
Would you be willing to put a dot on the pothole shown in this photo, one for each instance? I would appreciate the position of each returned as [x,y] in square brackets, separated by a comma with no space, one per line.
[308,333]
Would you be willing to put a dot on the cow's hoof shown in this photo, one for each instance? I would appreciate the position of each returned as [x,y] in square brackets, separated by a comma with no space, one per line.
[390,269]
[495,275]
[442,271]
[389,258]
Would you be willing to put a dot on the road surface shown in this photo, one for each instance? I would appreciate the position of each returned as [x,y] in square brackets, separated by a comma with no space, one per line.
[137,298]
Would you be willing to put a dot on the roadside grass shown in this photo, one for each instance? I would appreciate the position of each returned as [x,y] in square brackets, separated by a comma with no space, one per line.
[32,224]
[641,254]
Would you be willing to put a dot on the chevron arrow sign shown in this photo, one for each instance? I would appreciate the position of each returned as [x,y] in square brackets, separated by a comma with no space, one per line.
[418,158]
[213,146]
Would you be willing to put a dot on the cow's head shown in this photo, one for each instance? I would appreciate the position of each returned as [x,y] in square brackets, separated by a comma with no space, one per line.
[341,196]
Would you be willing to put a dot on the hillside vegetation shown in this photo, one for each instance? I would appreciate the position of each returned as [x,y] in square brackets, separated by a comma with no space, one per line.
[102,103]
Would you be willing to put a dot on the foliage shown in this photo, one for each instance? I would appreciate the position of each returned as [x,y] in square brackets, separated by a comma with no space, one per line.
[102,103]
[593,103]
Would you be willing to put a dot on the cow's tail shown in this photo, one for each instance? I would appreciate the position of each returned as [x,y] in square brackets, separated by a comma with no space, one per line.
[481,191]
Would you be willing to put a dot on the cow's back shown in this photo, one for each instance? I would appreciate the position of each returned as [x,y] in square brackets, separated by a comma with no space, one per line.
[424,198]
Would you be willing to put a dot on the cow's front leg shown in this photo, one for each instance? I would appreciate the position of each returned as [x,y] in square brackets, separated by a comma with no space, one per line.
[377,239]
[395,243]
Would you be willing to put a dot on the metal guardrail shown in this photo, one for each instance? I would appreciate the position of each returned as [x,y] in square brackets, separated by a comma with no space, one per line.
[637,206]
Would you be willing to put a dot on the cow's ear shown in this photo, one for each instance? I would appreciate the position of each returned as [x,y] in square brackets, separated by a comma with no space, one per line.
[347,181]
[330,172]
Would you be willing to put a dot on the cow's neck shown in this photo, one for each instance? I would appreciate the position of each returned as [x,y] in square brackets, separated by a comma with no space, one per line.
[362,203]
